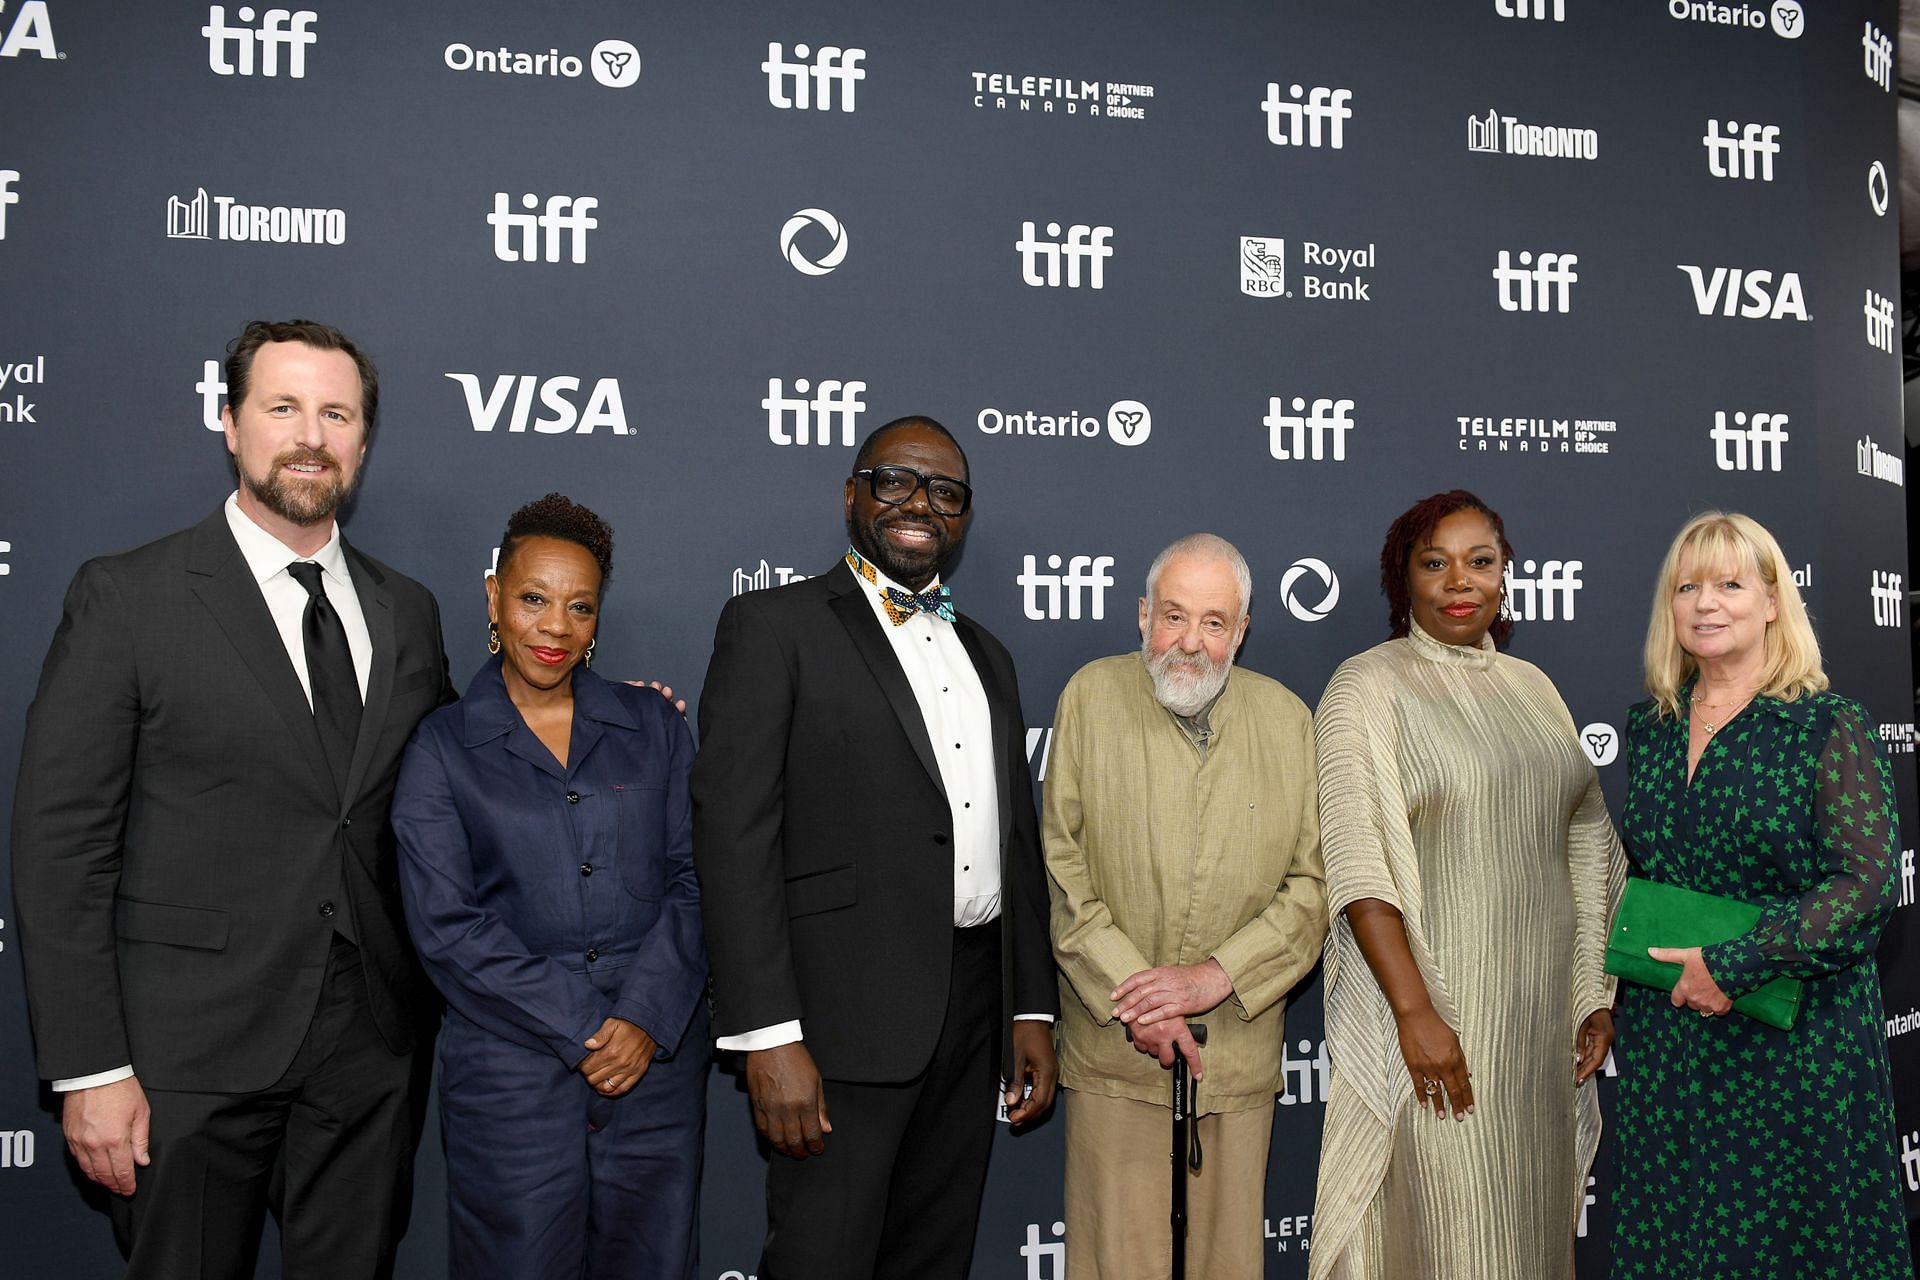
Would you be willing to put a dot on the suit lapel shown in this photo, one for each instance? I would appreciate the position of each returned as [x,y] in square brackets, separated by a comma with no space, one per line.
[856,615]
[998,709]
[376,604]
[219,576]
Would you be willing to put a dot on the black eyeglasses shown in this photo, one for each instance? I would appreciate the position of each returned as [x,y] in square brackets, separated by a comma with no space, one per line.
[895,486]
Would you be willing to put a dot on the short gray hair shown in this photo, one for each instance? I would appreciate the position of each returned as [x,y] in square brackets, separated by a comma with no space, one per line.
[1208,546]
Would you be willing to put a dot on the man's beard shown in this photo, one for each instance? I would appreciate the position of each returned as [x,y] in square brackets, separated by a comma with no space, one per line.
[303,502]
[907,568]
[1184,683]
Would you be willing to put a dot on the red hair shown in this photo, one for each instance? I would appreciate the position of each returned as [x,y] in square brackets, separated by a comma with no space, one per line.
[1410,532]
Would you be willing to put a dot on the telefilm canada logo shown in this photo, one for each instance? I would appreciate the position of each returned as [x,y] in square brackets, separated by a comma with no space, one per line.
[204,217]
[1062,96]
[1496,134]
[1490,435]
[1327,273]
[1126,422]
[29,31]
[613,63]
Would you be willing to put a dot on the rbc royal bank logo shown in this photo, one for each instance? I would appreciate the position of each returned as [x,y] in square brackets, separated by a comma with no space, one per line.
[511,398]
[232,48]
[832,74]
[1084,249]
[1308,434]
[1307,118]
[1750,442]
[1764,299]
[542,234]
[1082,587]
[801,418]
[31,31]
[815,264]
[1743,151]
[1310,589]
[1263,266]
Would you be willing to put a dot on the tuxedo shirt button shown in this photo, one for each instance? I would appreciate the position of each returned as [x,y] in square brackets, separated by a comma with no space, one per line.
[346,822]
[326,910]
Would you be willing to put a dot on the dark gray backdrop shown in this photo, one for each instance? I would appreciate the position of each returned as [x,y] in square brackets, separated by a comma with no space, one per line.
[688,302]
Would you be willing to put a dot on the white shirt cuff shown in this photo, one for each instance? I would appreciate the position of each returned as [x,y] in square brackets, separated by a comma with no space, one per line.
[94,1081]
[1033,1017]
[764,1038]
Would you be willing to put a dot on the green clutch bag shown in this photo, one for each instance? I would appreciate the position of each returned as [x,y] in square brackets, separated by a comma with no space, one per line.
[1661,915]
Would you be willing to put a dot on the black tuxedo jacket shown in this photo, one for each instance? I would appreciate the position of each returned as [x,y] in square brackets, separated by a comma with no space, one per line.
[181,857]
[823,838]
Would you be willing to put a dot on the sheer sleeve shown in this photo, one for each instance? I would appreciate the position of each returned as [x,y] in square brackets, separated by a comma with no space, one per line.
[1836,921]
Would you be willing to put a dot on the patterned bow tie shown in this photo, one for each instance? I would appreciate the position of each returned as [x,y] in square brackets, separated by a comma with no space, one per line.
[901,605]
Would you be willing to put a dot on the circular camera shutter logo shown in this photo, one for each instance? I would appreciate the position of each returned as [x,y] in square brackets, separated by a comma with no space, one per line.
[615,63]
[1601,742]
[826,222]
[1323,584]
[1129,422]
[1788,20]
[1879,194]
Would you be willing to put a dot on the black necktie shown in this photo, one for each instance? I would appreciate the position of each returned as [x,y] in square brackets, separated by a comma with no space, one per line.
[336,690]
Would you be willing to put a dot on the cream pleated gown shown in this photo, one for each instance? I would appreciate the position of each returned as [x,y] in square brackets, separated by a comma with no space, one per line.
[1452,786]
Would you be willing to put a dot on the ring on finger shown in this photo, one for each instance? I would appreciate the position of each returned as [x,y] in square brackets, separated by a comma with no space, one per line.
[1433,1086]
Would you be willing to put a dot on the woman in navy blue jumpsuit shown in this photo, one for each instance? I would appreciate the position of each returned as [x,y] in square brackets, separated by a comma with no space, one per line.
[546,860]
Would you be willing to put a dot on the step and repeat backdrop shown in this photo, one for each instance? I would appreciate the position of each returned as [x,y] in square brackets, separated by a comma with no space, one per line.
[1274,270]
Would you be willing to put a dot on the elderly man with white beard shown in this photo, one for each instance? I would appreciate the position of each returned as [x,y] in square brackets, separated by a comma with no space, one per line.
[1183,850]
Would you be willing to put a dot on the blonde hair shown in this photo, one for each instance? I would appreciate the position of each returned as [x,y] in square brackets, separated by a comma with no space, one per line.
[1792,651]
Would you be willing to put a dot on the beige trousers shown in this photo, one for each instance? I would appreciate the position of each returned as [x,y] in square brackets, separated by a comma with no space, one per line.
[1119,1192]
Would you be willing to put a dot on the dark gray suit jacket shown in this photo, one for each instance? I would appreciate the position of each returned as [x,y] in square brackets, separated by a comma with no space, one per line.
[824,842]
[181,856]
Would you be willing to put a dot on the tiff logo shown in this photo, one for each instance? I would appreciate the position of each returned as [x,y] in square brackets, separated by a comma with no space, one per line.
[291,28]
[211,387]
[1322,116]
[7,196]
[1906,877]
[1869,459]
[1754,442]
[1745,152]
[791,84]
[1308,1077]
[1549,595]
[1294,438]
[6,549]
[1878,56]
[1543,286]
[1084,245]
[565,217]
[1888,596]
[1536,9]
[1086,580]
[1046,1260]
[1879,313]
[813,418]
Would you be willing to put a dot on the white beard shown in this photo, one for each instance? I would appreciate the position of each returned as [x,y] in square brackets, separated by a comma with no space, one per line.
[1185,683]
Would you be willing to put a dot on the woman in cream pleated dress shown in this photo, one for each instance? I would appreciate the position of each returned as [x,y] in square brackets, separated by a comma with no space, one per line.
[1471,872]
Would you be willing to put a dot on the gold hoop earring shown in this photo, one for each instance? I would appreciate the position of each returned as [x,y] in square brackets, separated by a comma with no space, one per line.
[588,658]
[493,638]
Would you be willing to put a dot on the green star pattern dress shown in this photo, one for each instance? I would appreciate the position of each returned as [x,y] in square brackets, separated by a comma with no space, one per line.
[1746,1151]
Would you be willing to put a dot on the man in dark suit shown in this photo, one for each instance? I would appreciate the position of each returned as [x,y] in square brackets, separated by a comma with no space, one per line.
[875,900]
[204,874]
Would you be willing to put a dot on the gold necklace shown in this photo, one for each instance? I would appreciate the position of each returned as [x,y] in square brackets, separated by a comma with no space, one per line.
[1713,727]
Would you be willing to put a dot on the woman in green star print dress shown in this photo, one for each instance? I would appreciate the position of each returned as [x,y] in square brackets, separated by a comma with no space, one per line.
[1745,1151]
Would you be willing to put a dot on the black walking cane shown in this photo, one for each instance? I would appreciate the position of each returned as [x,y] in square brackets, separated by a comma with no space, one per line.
[1186,1146]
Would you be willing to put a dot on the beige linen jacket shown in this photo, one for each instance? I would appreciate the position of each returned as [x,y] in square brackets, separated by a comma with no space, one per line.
[1155,857]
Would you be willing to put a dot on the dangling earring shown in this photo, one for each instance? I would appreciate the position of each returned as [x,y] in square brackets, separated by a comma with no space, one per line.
[493,638]
[588,658]
[1506,610]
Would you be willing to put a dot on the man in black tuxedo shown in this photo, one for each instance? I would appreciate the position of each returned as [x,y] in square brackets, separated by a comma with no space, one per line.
[219,976]
[875,900]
